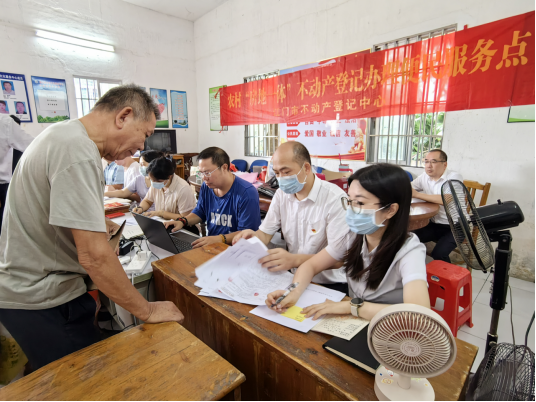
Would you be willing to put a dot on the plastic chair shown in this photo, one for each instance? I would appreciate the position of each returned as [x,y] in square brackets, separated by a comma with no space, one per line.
[258,162]
[409,175]
[445,281]
[240,164]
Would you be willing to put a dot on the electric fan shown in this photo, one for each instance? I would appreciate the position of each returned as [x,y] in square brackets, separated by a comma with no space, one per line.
[472,239]
[411,343]
[507,371]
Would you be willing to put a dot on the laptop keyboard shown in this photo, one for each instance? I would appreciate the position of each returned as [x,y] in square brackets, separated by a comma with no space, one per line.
[181,245]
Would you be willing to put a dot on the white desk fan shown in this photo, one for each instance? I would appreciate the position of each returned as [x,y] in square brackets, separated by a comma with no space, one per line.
[411,343]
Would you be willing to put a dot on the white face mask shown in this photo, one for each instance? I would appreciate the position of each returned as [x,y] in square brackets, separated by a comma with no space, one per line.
[363,223]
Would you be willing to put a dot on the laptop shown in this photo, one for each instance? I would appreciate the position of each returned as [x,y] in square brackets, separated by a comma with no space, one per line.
[157,234]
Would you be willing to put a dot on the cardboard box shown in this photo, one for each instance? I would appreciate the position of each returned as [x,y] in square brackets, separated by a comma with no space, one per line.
[335,175]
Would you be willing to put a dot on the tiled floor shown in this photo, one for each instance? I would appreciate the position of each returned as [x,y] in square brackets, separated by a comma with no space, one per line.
[522,307]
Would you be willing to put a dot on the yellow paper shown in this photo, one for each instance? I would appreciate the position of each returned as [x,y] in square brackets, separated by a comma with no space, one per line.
[294,313]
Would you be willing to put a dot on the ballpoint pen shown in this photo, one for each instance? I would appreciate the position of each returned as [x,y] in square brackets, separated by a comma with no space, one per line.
[290,287]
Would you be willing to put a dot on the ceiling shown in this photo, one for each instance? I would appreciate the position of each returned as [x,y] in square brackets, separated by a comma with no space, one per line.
[189,10]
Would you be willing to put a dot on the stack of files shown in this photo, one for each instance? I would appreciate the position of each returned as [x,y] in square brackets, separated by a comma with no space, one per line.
[122,201]
[236,275]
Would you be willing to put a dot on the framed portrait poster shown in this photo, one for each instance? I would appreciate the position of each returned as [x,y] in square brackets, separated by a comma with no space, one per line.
[160,97]
[179,109]
[14,96]
[50,99]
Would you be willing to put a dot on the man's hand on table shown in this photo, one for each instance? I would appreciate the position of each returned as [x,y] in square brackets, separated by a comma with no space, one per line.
[177,225]
[244,234]
[163,311]
[204,241]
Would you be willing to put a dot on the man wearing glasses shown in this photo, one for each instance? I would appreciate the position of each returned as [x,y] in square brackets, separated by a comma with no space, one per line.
[427,187]
[226,202]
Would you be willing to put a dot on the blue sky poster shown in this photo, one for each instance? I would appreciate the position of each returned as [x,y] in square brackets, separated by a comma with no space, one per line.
[50,99]
[160,97]
[179,109]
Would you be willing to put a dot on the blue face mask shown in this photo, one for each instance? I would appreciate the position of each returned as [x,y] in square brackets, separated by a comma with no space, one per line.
[143,170]
[158,185]
[363,223]
[291,184]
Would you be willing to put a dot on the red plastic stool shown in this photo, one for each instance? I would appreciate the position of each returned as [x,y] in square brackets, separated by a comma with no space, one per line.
[445,281]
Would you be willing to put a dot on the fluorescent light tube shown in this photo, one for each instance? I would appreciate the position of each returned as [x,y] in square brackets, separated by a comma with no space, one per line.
[74,41]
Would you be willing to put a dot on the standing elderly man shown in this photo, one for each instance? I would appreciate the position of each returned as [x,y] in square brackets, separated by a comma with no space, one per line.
[308,212]
[54,232]
[427,187]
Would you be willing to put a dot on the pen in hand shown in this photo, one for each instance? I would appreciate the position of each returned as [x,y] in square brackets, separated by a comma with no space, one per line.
[290,287]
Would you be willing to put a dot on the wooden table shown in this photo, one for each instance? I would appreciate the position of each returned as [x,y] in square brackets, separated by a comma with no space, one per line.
[278,362]
[148,362]
[420,214]
[264,201]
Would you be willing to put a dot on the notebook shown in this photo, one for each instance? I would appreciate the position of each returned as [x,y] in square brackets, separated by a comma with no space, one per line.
[355,351]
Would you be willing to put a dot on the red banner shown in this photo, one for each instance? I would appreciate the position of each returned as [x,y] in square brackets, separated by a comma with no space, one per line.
[491,65]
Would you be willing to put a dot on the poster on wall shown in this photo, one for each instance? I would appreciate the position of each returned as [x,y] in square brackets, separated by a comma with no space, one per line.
[521,114]
[329,139]
[179,109]
[160,97]
[50,96]
[214,109]
[14,99]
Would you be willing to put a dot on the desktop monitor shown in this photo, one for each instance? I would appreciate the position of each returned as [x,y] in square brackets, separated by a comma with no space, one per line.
[162,140]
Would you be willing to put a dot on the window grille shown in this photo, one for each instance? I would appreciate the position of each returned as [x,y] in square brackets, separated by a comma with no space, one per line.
[89,90]
[405,140]
[261,139]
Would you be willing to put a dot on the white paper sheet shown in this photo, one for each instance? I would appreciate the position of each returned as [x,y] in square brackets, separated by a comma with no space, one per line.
[211,274]
[249,282]
[342,326]
[314,294]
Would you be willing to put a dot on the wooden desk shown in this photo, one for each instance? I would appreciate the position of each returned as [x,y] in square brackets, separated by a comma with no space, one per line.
[420,214]
[148,362]
[279,363]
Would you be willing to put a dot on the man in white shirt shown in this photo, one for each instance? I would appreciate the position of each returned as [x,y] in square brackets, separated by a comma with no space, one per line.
[427,187]
[308,212]
[11,137]
[132,169]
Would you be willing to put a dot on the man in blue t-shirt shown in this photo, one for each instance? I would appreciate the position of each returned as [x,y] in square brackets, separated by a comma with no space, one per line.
[226,203]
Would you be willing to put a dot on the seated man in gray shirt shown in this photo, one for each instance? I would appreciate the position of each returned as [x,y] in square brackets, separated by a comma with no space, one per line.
[54,233]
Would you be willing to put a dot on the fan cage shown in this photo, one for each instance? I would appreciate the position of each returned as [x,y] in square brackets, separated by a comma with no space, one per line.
[467,228]
[505,374]
[429,342]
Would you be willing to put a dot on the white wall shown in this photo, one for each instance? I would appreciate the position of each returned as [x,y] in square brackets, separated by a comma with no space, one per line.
[152,50]
[244,37]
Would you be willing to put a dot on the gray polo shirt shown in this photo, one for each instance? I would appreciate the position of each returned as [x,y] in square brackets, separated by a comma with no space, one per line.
[58,186]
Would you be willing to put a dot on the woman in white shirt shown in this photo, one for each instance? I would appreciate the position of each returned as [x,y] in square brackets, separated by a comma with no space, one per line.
[139,184]
[172,196]
[385,264]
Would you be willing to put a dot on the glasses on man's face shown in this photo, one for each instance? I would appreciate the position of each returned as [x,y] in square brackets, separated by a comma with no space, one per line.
[208,174]
[431,162]
[354,205]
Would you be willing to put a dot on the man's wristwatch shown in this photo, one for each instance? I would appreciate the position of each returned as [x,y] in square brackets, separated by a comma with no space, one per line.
[355,304]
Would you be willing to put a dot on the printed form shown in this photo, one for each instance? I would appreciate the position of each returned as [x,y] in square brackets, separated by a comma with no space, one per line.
[292,318]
